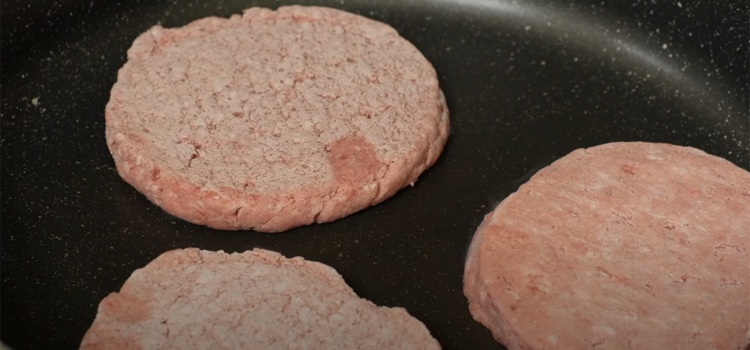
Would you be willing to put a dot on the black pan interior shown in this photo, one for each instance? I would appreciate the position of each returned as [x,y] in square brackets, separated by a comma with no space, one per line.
[526,83]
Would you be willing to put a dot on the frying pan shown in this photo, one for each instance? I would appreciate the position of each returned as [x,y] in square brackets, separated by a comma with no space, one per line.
[526,81]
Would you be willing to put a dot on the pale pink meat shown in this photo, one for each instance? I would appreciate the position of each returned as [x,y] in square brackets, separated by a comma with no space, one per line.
[619,246]
[193,299]
[274,119]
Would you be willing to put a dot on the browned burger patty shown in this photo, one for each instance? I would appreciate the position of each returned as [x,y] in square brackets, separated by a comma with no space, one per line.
[193,299]
[619,246]
[274,119]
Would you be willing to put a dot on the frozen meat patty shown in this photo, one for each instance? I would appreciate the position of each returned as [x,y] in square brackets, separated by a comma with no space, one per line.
[620,246]
[274,119]
[193,299]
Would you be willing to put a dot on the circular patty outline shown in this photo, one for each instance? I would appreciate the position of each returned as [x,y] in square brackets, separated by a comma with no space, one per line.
[155,305]
[230,208]
[511,293]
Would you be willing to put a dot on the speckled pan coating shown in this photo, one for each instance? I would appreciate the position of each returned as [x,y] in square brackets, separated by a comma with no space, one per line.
[193,299]
[274,119]
[619,246]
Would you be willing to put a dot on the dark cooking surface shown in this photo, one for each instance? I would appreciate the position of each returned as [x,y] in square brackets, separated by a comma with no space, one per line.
[526,83]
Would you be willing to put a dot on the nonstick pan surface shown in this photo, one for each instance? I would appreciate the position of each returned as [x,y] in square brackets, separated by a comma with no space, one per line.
[526,83]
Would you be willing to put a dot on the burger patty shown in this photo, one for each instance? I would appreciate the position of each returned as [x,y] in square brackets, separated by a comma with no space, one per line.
[274,119]
[620,246]
[194,299]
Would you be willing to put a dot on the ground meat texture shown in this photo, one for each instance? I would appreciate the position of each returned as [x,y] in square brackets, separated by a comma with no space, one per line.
[620,246]
[274,119]
[192,299]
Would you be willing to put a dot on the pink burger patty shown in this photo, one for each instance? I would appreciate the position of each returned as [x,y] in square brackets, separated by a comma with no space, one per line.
[193,299]
[274,119]
[620,246]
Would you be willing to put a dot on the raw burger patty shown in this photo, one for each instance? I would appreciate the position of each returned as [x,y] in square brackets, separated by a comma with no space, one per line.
[619,246]
[193,299]
[274,119]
